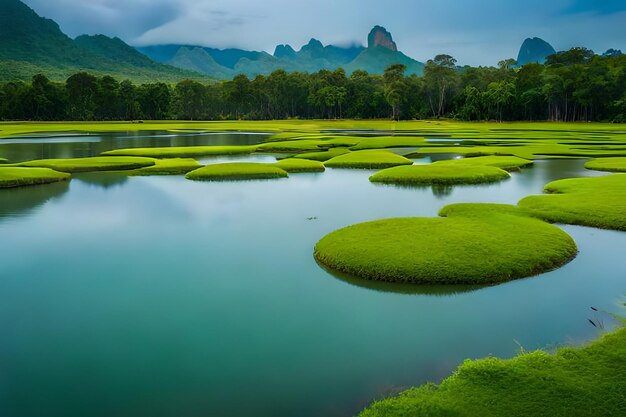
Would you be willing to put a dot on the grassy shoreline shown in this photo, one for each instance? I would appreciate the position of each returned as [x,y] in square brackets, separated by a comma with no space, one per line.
[583,381]
[455,128]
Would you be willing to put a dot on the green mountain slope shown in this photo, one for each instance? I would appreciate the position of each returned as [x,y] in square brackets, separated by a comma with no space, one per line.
[30,44]
[375,60]
[199,60]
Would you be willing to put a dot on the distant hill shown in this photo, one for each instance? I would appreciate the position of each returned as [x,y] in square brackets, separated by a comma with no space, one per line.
[30,44]
[312,57]
[534,50]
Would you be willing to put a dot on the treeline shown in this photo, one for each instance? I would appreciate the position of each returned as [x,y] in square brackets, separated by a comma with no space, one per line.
[575,85]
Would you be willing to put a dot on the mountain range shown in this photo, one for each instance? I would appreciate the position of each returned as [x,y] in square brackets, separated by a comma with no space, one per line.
[380,52]
[31,44]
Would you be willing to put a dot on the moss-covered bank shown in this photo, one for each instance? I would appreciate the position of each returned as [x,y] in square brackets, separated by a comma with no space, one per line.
[596,202]
[589,381]
[18,176]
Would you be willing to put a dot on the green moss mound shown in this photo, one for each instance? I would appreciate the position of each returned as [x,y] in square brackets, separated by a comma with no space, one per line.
[17,177]
[596,202]
[382,142]
[371,159]
[175,166]
[183,152]
[507,163]
[323,156]
[607,164]
[101,163]
[237,172]
[476,244]
[590,381]
[303,145]
[293,165]
[440,174]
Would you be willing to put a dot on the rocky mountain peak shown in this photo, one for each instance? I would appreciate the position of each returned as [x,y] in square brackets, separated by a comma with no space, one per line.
[379,36]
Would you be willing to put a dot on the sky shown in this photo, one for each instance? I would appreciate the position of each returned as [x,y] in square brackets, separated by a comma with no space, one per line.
[476,32]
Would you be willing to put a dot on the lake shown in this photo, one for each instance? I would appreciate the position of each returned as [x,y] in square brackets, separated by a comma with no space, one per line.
[158,296]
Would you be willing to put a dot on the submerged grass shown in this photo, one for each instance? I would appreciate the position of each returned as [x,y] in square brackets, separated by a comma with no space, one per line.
[17,176]
[607,164]
[589,381]
[596,202]
[100,163]
[183,152]
[236,172]
[370,159]
[475,244]
[293,165]
[440,173]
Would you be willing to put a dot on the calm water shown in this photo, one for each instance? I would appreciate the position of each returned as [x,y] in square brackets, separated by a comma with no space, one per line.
[165,297]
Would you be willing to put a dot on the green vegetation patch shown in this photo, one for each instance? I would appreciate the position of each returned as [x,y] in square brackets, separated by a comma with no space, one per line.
[382,142]
[17,176]
[175,166]
[183,152]
[440,174]
[607,164]
[236,172]
[370,159]
[303,145]
[323,156]
[590,381]
[596,202]
[293,165]
[508,163]
[100,163]
[3,161]
[476,244]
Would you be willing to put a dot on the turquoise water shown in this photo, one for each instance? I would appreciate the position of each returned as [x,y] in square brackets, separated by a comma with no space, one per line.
[157,296]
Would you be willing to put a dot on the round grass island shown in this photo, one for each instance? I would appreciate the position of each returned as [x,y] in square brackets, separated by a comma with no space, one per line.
[475,244]
[237,171]
[440,174]
[17,176]
[369,159]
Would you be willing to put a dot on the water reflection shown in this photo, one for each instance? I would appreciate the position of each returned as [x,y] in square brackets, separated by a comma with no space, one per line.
[82,146]
[442,191]
[105,180]
[406,289]
[22,201]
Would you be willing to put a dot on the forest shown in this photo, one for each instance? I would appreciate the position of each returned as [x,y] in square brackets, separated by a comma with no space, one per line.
[575,85]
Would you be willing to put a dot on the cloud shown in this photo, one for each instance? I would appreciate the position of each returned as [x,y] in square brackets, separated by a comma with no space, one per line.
[476,32]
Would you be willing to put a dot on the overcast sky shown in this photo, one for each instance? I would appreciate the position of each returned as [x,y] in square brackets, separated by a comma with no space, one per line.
[476,32]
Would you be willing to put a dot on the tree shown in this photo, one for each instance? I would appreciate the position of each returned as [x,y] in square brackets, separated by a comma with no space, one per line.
[500,94]
[394,88]
[189,100]
[507,64]
[81,90]
[441,76]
